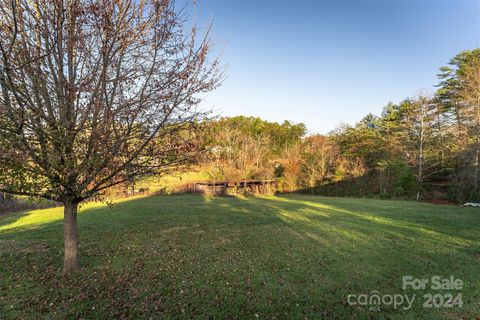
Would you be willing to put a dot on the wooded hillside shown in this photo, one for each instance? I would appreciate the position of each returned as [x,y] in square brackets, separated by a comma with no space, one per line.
[426,146]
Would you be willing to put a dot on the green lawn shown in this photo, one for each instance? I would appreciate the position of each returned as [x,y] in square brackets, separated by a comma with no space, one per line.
[286,257]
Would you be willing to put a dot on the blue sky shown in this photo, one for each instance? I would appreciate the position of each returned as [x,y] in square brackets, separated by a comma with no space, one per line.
[329,62]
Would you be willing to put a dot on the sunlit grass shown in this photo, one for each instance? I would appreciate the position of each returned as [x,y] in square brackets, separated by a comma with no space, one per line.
[169,183]
[192,256]
[36,218]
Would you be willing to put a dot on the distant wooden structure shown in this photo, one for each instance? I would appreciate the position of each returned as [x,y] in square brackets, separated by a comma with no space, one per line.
[221,188]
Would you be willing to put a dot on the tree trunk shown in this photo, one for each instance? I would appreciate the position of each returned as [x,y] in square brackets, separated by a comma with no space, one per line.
[70,237]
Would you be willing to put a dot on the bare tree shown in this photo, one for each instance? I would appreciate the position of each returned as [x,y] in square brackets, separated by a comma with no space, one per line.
[93,94]
[319,157]
[420,124]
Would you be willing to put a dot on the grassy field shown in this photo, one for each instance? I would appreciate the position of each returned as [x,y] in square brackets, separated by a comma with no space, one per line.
[286,257]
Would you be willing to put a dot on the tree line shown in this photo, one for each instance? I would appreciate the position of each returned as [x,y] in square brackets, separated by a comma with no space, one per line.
[424,147]
[95,95]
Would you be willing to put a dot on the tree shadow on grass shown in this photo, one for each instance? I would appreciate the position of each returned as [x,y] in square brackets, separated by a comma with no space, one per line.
[231,257]
[370,245]
[450,221]
[9,218]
